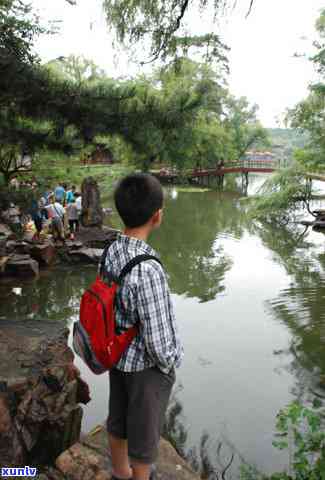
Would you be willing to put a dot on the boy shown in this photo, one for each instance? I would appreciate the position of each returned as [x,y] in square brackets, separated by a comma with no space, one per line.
[141,382]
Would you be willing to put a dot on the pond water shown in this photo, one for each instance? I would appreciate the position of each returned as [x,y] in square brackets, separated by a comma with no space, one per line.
[250,304]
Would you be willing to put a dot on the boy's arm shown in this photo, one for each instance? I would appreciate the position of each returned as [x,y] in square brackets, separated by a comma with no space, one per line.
[157,318]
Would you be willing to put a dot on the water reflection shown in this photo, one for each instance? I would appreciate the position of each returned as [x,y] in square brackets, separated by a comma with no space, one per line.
[212,458]
[54,296]
[223,270]
[192,222]
[301,305]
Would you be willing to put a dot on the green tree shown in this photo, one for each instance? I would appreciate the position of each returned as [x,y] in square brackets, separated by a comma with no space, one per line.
[246,130]
[309,115]
[160,27]
[69,110]
[78,69]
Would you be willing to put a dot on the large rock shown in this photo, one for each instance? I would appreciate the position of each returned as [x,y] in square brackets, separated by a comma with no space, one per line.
[18,247]
[3,263]
[92,212]
[90,459]
[40,392]
[6,232]
[21,266]
[3,246]
[86,255]
[43,253]
[97,237]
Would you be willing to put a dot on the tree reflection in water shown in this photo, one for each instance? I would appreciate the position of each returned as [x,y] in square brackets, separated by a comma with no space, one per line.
[187,241]
[216,459]
[54,296]
[301,305]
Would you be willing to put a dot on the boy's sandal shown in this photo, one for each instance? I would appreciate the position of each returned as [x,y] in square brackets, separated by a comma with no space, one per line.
[115,478]
[152,476]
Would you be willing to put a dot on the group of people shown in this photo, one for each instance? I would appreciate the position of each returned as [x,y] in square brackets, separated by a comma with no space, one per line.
[61,206]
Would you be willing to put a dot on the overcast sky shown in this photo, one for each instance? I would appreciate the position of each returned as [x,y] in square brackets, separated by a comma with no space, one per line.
[262,62]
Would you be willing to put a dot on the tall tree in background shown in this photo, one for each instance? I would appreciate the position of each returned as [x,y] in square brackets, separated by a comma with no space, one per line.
[289,189]
[182,115]
[309,115]
[78,69]
[161,26]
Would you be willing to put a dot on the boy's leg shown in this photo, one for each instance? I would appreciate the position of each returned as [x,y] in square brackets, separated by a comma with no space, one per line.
[141,471]
[120,459]
[148,395]
[116,425]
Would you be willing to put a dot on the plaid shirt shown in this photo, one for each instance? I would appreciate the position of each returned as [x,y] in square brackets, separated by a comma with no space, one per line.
[144,299]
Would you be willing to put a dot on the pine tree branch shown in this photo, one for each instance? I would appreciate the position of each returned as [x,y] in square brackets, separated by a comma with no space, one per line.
[250,8]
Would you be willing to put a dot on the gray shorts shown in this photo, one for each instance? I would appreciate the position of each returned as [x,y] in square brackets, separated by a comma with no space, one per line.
[137,407]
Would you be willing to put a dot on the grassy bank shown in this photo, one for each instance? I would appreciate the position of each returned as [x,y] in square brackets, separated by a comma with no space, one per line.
[73,173]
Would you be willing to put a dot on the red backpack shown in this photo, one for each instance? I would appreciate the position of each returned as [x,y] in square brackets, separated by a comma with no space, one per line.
[95,338]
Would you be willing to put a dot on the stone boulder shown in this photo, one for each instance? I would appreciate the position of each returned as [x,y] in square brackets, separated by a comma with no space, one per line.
[3,246]
[90,458]
[97,237]
[86,255]
[40,392]
[3,263]
[21,266]
[6,232]
[92,212]
[73,244]
[18,247]
[44,253]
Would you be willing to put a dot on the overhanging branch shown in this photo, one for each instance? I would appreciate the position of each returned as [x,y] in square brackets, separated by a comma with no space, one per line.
[250,8]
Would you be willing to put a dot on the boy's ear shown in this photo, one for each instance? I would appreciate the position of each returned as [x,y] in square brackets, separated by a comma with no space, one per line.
[157,217]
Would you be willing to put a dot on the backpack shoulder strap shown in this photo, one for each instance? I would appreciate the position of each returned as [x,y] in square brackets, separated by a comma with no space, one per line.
[103,259]
[135,261]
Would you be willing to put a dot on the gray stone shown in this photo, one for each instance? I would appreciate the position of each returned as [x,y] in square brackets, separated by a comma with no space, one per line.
[86,255]
[43,253]
[3,246]
[97,237]
[21,265]
[6,232]
[17,247]
[92,212]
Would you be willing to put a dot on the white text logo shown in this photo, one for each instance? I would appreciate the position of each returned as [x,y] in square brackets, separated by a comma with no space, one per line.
[18,472]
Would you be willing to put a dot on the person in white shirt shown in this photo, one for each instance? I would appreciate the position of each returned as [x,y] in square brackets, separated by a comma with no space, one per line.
[56,212]
[73,218]
[78,198]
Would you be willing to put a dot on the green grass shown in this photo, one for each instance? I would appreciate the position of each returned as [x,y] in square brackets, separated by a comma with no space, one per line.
[193,189]
[106,175]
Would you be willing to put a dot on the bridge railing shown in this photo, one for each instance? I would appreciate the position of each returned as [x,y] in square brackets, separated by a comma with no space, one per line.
[260,164]
[249,164]
[253,164]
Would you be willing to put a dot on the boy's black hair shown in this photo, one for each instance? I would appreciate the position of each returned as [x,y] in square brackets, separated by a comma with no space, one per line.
[137,197]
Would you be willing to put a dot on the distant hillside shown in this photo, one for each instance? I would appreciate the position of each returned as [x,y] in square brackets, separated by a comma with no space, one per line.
[286,140]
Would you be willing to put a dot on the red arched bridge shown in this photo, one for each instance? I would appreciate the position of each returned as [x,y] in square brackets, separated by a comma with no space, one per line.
[244,167]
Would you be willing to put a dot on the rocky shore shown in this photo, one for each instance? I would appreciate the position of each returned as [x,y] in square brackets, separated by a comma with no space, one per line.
[40,414]
[23,257]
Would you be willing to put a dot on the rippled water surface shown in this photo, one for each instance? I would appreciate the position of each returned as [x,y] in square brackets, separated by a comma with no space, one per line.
[250,303]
